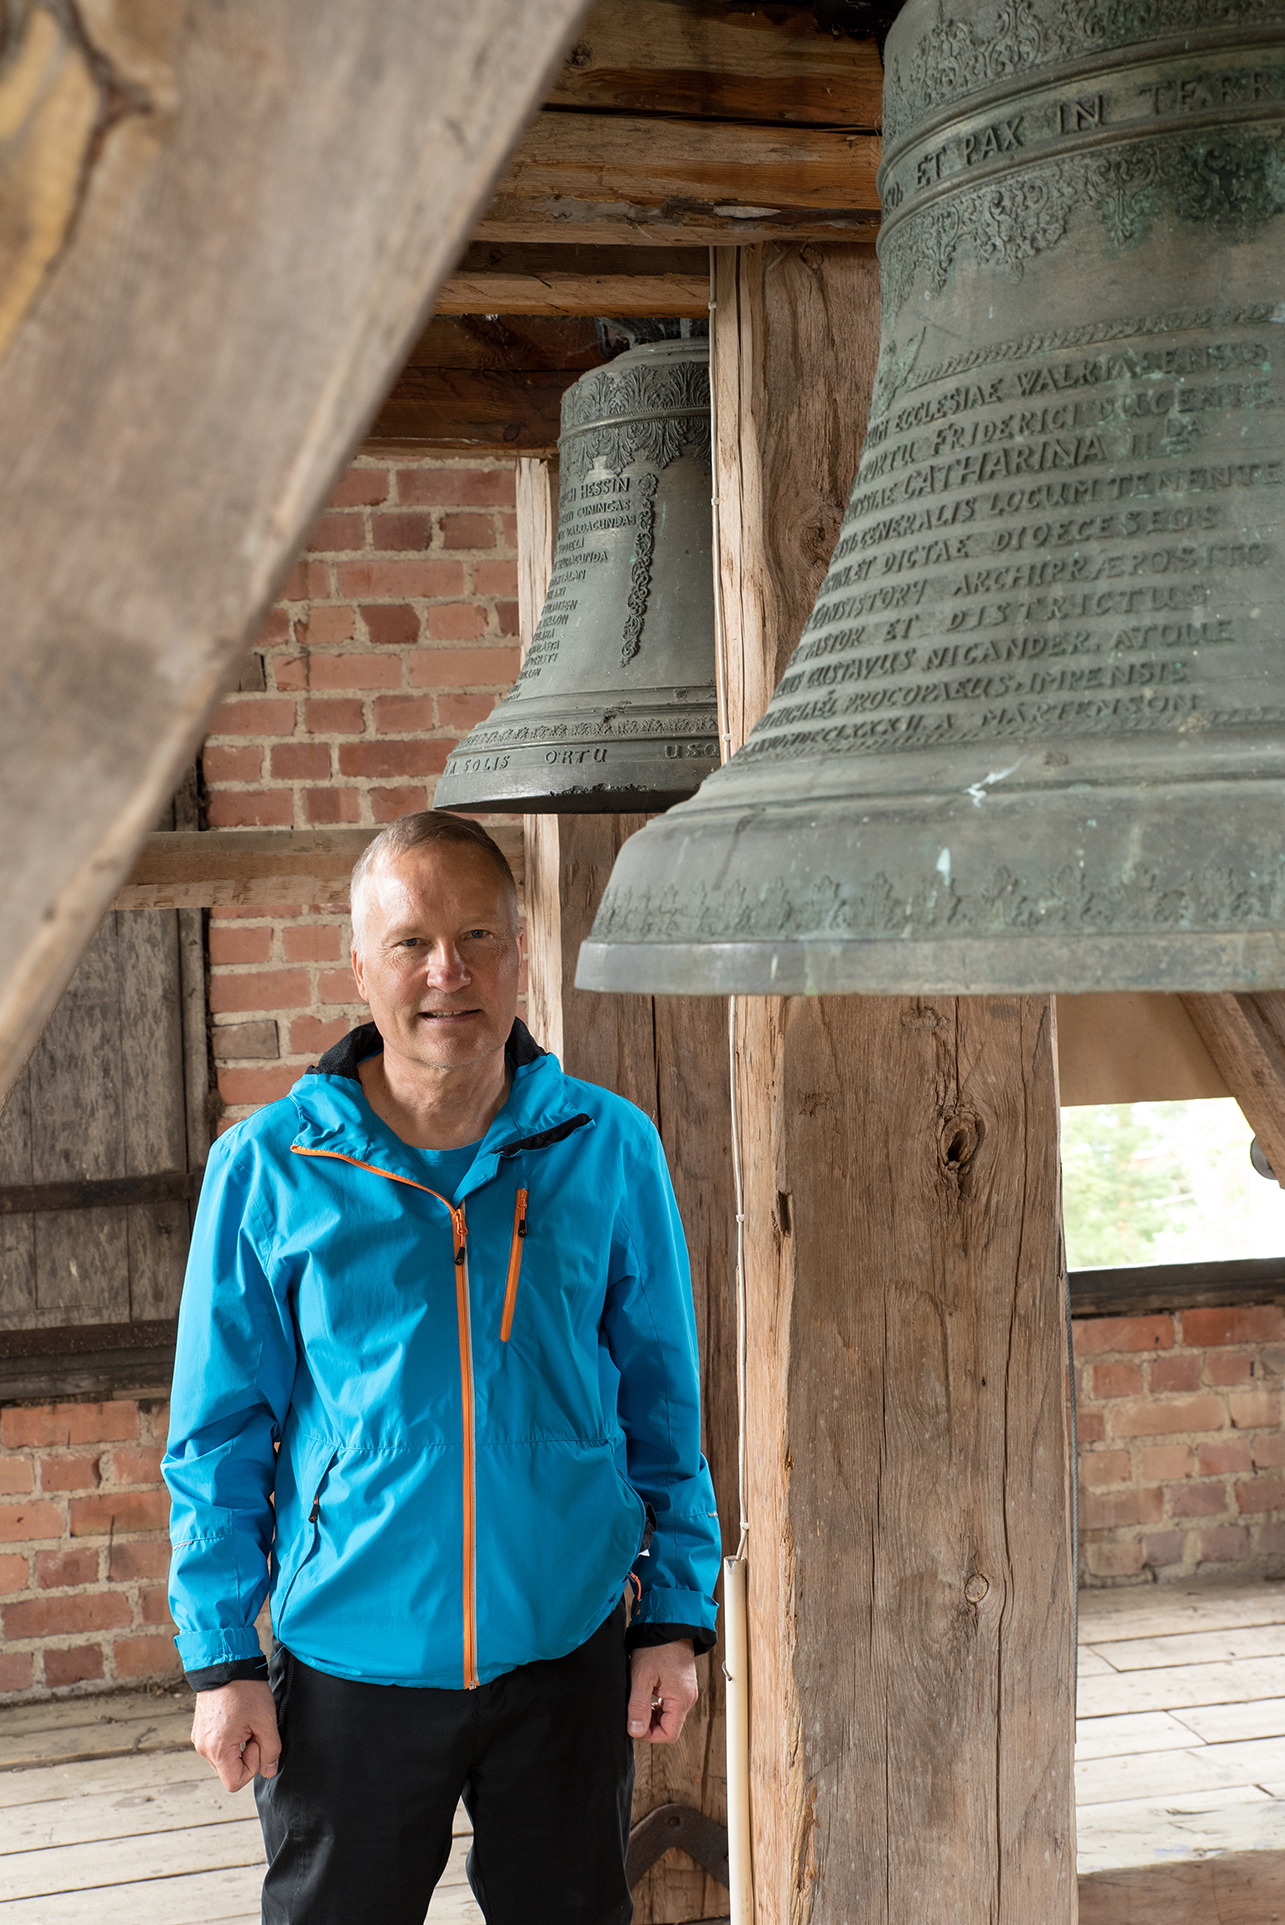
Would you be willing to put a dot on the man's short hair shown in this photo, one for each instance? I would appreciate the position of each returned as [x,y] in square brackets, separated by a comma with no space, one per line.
[413,832]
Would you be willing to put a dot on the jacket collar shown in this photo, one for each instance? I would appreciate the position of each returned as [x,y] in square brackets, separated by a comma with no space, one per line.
[342,1058]
[334,1115]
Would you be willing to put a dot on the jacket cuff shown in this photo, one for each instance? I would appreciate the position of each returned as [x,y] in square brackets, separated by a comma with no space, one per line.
[212,1677]
[668,1607]
[225,1644]
[639,1636]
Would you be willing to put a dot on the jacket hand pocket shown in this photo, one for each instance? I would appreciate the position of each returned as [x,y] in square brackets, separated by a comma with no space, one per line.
[311,1540]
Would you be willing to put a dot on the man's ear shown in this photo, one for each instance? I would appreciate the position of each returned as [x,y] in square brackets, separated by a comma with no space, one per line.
[361,982]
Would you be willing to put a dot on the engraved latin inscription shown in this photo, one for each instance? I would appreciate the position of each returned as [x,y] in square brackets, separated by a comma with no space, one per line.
[1047,121]
[1000,137]
[1073,116]
[1060,585]
[589,509]
[1174,136]
[1199,92]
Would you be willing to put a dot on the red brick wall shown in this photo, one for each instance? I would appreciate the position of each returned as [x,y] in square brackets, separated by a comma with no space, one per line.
[1182,1457]
[396,633]
[1182,1472]
[84,1547]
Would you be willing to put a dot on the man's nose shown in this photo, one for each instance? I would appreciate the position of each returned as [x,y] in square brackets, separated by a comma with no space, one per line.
[446,966]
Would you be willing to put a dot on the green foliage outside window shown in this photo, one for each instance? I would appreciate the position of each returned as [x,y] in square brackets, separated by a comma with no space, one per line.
[1164,1183]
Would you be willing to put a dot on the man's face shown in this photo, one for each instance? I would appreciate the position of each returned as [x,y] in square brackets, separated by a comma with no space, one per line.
[442,953]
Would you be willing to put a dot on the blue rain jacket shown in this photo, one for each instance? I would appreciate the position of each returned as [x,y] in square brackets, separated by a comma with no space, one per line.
[474,1403]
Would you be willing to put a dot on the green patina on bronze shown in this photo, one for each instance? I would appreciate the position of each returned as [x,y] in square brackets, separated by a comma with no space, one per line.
[1033,734]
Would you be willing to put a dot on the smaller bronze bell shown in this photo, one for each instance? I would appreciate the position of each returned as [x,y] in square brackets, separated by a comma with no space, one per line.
[615,710]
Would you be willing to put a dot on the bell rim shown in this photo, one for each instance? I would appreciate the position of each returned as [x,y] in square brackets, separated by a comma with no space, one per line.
[1029,965]
[572,802]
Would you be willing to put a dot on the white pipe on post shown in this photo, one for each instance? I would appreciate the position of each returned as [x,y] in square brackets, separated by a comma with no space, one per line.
[736,1671]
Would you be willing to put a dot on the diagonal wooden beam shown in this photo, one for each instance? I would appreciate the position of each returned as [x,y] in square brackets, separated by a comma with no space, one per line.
[220,230]
[1245,1035]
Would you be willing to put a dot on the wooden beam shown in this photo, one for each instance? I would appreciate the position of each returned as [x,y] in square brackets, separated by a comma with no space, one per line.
[787,64]
[217,868]
[566,279]
[169,1186]
[911,1586]
[100,1374]
[1140,1287]
[670,1057]
[1234,1888]
[537,527]
[487,382]
[1245,1036]
[513,343]
[604,179]
[473,410]
[223,230]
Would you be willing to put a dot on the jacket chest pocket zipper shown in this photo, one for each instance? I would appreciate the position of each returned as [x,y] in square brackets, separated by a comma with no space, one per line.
[515,1265]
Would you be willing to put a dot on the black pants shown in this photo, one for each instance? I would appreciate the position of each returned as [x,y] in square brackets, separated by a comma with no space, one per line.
[357,1821]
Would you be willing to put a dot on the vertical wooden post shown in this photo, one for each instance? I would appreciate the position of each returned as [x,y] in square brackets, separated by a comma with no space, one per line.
[911,1598]
[669,1056]
[537,518]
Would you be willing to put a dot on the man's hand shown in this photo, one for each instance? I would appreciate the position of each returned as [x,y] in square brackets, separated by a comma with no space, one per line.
[235,1727]
[663,1691]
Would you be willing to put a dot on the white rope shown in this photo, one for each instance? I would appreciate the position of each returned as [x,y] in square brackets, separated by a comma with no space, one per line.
[725,747]
[740,1279]
[720,626]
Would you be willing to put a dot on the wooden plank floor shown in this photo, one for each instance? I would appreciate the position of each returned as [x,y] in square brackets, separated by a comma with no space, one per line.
[108,1818]
[1180,1754]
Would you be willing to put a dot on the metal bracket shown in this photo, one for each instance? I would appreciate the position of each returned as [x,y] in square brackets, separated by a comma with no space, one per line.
[677,1825]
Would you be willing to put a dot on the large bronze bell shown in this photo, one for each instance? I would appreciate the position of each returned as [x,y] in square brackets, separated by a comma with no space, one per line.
[1033,736]
[615,707]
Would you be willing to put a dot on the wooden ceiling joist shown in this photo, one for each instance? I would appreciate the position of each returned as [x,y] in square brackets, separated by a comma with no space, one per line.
[465,410]
[520,343]
[487,383]
[568,280]
[604,179]
[672,126]
[222,230]
[705,59]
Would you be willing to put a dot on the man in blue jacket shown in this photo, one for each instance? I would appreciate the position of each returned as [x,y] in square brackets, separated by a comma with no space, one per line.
[436,1394]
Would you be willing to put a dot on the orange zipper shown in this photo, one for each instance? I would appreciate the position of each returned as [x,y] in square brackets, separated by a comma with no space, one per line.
[515,1265]
[470,1474]
[459,1230]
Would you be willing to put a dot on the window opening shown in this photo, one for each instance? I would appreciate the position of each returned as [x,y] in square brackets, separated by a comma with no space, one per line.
[1153,1183]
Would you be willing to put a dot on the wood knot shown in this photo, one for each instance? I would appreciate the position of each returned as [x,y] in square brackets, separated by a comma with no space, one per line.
[959,1141]
[976,1588]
